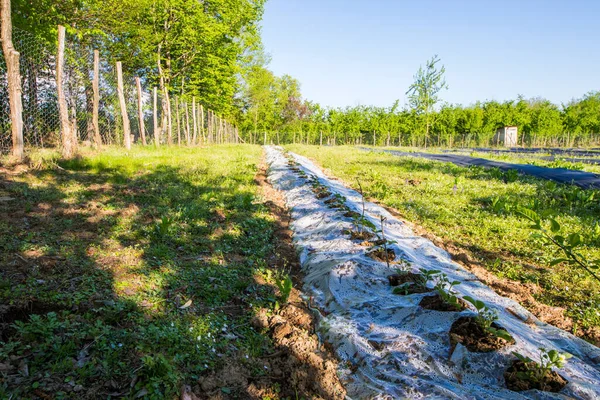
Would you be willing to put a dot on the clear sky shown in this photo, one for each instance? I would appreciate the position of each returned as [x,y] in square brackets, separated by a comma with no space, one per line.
[349,52]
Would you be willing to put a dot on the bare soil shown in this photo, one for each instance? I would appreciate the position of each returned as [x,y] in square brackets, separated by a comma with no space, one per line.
[552,381]
[301,365]
[437,303]
[411,283]
[470,334]
[380,255]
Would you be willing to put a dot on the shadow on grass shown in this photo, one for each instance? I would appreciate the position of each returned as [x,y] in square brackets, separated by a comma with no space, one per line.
[120,284]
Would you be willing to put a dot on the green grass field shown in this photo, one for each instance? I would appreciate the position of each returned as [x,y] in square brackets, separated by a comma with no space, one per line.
[480,215]
[130,274]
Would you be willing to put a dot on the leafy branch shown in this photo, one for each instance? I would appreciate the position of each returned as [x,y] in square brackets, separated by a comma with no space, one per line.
[568,244]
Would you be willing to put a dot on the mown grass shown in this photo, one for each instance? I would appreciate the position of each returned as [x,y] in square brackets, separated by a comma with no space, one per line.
[474,208]
[129,274]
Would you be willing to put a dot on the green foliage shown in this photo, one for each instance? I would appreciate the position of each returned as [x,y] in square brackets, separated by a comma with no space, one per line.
[536,372]
[486,317]
[550,231]
[151,230]
[445,288]
[423,93]
[285,286]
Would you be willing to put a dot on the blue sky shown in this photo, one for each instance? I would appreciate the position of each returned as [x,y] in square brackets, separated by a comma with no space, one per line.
[366,52]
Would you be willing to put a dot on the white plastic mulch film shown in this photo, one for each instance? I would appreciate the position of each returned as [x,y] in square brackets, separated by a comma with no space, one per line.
[391,347]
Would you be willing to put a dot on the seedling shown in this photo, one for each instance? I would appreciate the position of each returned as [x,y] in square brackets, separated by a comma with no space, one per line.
[445,289]
[486,318]
[164,226]
[383,242]
[360,222]
[285,289]
[537,372]
[420,280]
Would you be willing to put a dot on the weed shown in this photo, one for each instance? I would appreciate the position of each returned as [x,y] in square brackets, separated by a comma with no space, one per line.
[285,288]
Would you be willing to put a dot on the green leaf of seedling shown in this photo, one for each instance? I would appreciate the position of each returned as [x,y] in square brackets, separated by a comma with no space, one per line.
[501,333]
[574,239]
[558,261]
[559,239]
[554,226]
[529,214]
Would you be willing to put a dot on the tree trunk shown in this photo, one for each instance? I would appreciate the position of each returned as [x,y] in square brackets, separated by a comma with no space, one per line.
[138,83]
[123,104]
[14,81]
[96,101]
[68,147]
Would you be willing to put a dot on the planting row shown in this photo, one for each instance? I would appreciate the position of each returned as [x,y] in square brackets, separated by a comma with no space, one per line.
[437,330]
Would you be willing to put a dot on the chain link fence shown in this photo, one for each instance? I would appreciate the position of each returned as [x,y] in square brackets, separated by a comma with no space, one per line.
[189,122]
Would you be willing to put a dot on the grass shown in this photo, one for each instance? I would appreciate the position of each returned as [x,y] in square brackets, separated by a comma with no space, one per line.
[131,274]
[474,208]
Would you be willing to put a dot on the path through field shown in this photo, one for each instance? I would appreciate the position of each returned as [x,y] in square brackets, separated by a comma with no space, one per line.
[390,344]
[586,180]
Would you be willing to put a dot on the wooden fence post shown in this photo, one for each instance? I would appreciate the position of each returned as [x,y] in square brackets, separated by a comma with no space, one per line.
[96,100]
[14,80]
[138,83]
[156,133]
[126,126]
[169,118]
[177,120]
[187,125]
[68,148]
[195,122]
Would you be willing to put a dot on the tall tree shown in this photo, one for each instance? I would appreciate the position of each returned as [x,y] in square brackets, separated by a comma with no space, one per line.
[423,93]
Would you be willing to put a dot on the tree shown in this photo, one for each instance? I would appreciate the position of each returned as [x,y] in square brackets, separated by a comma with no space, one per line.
[14,79]
[423,93]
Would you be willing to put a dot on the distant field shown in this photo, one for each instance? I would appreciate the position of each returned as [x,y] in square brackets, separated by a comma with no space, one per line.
[479,216]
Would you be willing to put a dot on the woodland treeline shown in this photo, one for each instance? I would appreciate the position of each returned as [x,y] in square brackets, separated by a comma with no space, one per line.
[540,123]
[211,51]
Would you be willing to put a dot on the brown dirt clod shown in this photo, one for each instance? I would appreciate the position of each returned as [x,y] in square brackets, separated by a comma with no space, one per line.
[470,334]
[412,283]
[552,381]
[436,303]
[380,255]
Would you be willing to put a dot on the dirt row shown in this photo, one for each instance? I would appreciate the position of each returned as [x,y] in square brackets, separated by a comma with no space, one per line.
[301,365]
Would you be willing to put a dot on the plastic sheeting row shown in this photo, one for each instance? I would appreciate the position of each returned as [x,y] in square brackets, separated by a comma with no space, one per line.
[391,347]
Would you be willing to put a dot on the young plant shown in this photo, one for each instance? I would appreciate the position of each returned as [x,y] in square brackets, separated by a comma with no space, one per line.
[536,372]
[568,245]
[445,289]
[420,280]
[383,243]
[285,286]
[486,318]
[360,226]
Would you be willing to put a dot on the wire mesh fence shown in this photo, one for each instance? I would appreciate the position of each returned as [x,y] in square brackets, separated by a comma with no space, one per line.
[181,121]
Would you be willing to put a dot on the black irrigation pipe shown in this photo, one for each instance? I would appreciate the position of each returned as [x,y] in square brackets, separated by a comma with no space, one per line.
[592,161]
[585,180]
[521,150]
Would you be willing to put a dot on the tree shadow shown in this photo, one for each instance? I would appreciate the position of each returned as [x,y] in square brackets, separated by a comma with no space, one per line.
[120,283]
